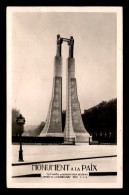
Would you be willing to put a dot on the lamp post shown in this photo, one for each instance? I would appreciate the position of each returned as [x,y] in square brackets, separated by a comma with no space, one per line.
[20,121]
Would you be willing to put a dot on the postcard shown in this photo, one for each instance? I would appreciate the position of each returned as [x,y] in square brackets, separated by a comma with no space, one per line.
[64,97]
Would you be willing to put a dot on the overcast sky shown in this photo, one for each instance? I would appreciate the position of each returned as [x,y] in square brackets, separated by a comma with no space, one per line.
[34,49]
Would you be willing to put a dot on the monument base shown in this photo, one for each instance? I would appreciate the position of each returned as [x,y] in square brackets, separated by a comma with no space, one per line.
[52,135]
[79,137]
[69,141]
[83,138]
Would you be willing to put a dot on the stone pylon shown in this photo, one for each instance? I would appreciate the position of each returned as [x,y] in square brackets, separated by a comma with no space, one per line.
[74,128]
[53,126]
[69,135]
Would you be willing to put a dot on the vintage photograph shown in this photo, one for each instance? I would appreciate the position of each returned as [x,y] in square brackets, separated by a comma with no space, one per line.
[64,97]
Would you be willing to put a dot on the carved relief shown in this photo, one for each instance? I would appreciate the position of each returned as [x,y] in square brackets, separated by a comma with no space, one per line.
[72,83]
[75,113]
[56,104]
[74,93]
[55,120]
[56,112]
[56,96]
[57,81]
[57,89]
[75,105]
[73,97]
[72,89]
[75,121]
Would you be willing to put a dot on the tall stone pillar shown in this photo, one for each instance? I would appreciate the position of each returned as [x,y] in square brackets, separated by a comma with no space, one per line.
[69,135]
[53,126]
[74,128]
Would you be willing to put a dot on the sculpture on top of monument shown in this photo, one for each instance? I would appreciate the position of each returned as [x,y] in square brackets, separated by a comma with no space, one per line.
[70,43]
[59,42]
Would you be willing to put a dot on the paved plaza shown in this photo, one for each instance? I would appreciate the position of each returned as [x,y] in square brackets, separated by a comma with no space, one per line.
[94,158]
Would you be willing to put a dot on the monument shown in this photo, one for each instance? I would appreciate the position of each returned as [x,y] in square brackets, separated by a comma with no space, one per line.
[74,129]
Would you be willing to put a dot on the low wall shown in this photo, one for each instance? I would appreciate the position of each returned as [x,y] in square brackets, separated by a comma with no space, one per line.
[37,140]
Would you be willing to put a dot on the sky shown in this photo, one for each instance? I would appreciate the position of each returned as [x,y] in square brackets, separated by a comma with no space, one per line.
[34,49]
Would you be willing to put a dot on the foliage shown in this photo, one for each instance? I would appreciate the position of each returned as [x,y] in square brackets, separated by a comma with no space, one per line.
[15,126]
[36,131]
[101,119]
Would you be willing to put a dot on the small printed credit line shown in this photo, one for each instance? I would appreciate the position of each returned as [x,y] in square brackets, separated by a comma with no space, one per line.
[90,174]
[49,161]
